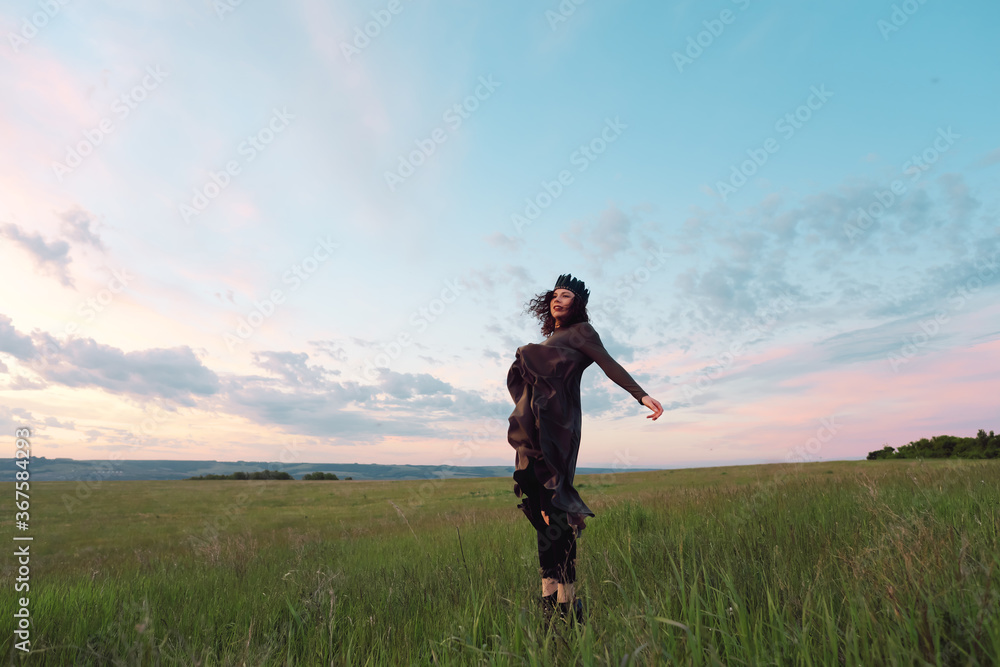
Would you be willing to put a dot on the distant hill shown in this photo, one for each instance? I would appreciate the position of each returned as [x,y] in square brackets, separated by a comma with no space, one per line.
[43,469]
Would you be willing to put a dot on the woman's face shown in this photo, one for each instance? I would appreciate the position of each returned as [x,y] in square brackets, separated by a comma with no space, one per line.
[559,306]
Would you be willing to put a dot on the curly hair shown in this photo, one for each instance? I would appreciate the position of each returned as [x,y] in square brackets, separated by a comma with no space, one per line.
[539,307]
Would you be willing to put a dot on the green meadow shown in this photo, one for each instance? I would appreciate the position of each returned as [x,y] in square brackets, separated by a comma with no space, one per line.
[842,563]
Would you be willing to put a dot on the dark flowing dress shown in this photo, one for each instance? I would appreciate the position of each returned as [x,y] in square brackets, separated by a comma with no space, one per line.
[544,382]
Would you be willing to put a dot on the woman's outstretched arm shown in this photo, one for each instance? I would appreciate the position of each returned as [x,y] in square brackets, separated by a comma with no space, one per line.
[585,338]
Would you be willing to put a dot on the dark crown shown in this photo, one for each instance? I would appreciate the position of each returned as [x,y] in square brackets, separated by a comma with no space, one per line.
[577,287]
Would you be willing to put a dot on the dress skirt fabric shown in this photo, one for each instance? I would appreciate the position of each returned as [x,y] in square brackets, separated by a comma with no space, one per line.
[545,425]
[544,382]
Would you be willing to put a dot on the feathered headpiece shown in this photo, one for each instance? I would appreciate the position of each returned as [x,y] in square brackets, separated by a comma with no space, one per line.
[577,287]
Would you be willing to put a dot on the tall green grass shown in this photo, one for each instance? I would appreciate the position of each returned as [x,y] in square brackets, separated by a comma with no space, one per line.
[845,563]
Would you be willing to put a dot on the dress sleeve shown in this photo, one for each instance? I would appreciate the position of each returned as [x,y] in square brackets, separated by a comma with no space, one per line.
[585,339]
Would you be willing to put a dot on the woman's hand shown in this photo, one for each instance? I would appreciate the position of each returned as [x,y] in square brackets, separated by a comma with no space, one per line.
[653,405]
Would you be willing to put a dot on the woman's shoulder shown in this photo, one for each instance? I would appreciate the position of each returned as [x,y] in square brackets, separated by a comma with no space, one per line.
[576,331]
[583,332]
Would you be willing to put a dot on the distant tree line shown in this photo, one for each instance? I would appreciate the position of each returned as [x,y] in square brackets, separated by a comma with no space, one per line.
[270,474]
[260,474]
[983,446]
[321,475]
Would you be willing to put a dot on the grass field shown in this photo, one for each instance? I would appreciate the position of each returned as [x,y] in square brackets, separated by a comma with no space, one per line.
[844,563]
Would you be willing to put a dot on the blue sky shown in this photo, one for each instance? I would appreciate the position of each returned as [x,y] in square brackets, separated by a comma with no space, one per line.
[170,169]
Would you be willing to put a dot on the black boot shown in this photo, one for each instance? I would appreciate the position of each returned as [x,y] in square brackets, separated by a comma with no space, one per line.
[574,609]
[548,606]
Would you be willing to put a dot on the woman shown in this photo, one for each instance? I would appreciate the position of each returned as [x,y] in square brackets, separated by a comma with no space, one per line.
[544,382]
